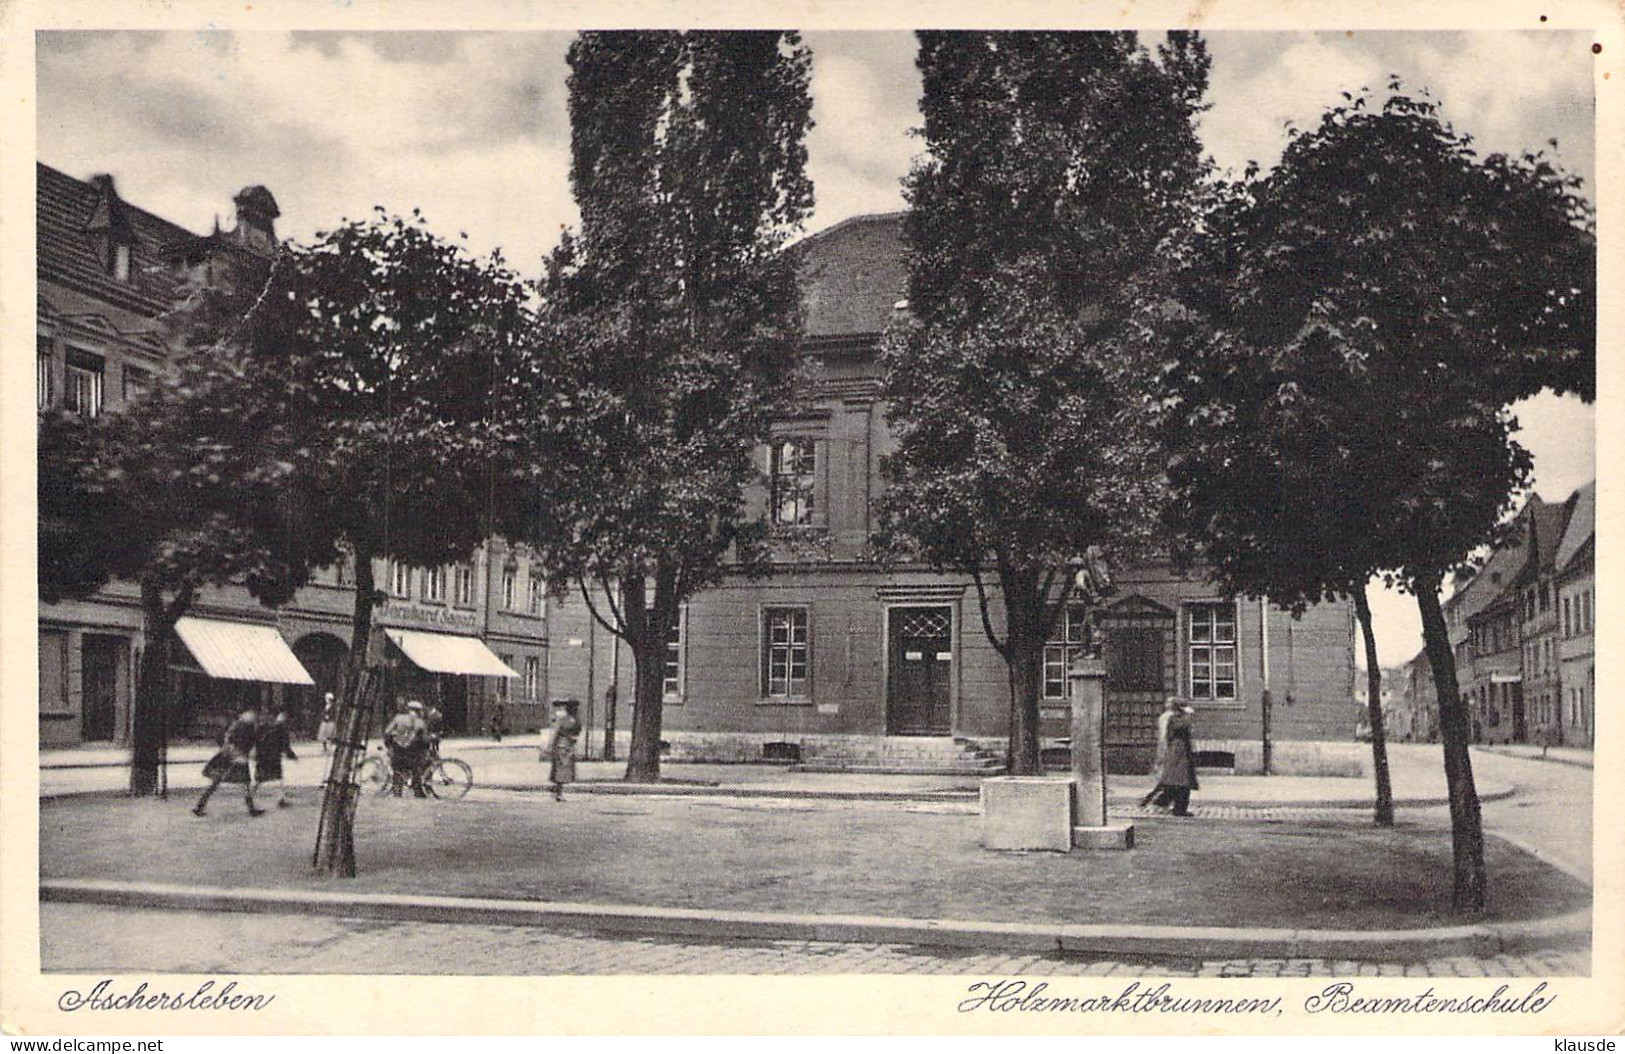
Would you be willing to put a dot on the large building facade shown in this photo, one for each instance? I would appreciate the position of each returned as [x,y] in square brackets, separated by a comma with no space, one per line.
[831,651]
[108,274]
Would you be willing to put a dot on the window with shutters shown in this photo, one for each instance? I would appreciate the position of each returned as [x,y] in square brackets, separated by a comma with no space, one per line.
[1210,642]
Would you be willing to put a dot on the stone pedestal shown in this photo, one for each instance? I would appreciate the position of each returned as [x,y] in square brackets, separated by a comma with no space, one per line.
[1027,812]
[1091,828]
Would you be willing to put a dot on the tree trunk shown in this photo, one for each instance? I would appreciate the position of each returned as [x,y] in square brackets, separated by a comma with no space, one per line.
[1466,824]
[149,716]
[1379,736]
[335,840]
[647,626]
[1024,612]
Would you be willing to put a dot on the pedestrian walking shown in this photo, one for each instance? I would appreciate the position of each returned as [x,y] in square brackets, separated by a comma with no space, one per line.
[499,723]
[269,749]
[1176,761]
[1175,765]
[566,730]
[328,731]
[230,763]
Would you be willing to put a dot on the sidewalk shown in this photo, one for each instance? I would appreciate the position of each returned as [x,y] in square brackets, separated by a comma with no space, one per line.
[1577,756]
[513,764]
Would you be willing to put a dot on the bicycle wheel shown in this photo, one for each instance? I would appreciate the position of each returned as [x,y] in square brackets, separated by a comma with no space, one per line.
[373,776]
[449,778]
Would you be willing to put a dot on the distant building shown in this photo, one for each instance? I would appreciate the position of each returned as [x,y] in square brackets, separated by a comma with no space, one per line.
[1574,577]
[833,655]
[108,273]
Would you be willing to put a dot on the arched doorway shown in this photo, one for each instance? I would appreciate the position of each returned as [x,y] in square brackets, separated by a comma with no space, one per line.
[323,656]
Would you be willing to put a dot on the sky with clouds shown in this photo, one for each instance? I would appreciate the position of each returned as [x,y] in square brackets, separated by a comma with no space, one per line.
[473,129]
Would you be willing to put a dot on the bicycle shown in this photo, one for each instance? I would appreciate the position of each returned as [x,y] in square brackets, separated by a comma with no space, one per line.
[446,778]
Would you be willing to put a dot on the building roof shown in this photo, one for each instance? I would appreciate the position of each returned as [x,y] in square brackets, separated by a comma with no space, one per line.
[1499,575]
[1548,523]
[1582,526]
[74,216]
[853,276]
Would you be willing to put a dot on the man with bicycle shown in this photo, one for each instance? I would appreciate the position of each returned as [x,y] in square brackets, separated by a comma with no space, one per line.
[407,736]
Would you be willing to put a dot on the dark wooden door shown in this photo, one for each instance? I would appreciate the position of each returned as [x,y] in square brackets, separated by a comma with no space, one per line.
[1139,654]
[921,663]
[99,686]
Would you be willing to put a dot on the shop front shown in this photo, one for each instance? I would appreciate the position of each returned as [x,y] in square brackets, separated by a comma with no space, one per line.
[436,658]
[223,669]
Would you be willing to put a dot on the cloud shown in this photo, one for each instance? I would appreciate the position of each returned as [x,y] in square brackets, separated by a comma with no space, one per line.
[865,99]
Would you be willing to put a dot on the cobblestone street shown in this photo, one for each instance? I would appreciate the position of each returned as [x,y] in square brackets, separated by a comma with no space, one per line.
[87,938]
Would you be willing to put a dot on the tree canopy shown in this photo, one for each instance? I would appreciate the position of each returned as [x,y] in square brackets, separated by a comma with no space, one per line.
[1060,183]
[668,328]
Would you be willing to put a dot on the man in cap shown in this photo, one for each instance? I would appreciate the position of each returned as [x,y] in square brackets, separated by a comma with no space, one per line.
[407,736]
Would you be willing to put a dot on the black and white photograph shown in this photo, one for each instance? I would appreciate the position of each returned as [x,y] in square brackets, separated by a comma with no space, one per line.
[1101,514]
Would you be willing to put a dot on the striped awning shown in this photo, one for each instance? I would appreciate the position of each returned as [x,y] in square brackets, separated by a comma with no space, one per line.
[241,651]
[446,653]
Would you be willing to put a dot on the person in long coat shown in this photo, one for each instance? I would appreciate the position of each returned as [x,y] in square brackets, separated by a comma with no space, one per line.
[230,763]
[269,749]
[562,753]
[1176,761]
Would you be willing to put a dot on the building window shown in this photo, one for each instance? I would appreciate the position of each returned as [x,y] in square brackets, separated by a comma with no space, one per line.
[792,471]
[533,677]
[44,393]
[510,587]
[1567,625]
[82,383]
[784,653]
[1545,596]
[671,685]
[463,577]
[121,261]
[401,585]
[1066,645]
[533,596]
[504,691]
[1211,635]
[434,584]
[137,382]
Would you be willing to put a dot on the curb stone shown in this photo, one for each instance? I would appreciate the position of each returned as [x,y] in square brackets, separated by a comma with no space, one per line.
[1478,941]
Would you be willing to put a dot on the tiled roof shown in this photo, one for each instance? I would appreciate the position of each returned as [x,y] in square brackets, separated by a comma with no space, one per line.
[853,275]
[1550,519]
[1582,525]
[68,253]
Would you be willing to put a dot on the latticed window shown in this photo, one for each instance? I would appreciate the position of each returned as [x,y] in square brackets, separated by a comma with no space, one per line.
[82,388]
[1071,633]
[1211,633]
[671,685]
[784,652]
[793,471]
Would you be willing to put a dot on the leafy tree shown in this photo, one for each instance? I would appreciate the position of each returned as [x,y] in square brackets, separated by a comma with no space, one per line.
[1379,300]
[669,325]
[188,488]
[398,355]
[1061,179]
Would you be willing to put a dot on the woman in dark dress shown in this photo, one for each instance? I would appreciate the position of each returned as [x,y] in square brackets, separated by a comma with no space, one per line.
[269,750]
[566,730]
[230,763]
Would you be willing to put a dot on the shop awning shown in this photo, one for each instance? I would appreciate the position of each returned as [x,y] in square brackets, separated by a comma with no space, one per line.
[240,651]
[445,653]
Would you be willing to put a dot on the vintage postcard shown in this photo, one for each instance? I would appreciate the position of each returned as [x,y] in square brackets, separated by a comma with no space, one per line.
[1062,519]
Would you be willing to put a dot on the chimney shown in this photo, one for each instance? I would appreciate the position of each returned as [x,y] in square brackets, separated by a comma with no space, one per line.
[256,218]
